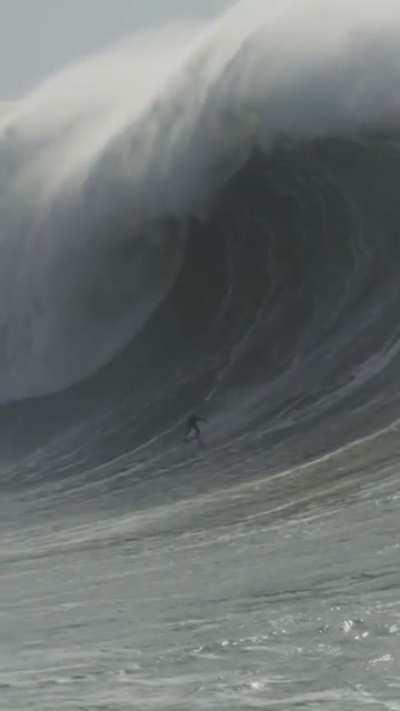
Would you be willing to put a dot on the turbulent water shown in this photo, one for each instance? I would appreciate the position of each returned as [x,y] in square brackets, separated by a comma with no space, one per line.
[205,219]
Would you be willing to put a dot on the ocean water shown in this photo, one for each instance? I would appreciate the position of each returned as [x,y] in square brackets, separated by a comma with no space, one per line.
[204,219]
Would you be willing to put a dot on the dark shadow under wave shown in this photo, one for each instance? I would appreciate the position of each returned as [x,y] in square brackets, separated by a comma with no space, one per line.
[283,319]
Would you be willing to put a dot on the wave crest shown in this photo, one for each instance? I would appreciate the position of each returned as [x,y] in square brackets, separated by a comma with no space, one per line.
[105,166]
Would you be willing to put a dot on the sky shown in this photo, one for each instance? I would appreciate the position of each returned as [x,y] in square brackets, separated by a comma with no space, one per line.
[39,37]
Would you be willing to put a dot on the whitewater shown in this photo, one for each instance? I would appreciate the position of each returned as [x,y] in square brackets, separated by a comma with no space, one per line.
[204,218]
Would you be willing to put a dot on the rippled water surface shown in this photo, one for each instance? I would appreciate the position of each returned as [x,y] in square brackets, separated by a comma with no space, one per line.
[280,593]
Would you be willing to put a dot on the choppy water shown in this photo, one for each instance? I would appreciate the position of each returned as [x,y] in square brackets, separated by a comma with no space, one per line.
[281,593]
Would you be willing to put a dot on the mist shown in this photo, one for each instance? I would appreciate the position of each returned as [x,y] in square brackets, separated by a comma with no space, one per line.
[99,158]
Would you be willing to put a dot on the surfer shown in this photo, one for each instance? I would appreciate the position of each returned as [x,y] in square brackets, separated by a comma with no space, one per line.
[192,426]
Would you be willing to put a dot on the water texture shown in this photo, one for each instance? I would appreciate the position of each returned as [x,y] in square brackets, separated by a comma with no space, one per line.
[204,219]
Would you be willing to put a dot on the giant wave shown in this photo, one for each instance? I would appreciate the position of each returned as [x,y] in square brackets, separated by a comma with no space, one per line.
[223,198]
[205,219]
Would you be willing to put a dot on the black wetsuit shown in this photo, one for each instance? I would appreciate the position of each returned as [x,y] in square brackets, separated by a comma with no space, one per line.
[192,426]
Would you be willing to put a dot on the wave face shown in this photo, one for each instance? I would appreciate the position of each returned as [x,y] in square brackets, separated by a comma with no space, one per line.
[104,165]
[205,219]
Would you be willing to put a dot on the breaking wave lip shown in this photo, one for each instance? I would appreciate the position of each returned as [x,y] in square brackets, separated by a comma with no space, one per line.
[246,150]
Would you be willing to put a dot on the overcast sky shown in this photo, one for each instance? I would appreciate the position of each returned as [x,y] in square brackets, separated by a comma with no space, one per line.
[38,37]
